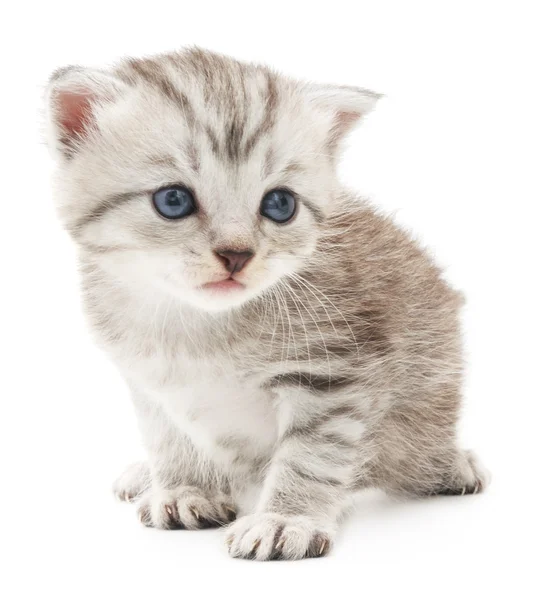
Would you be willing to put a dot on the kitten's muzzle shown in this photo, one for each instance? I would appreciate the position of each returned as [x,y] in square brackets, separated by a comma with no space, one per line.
[234,261]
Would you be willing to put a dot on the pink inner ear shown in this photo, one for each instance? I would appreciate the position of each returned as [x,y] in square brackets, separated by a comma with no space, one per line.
[74,110]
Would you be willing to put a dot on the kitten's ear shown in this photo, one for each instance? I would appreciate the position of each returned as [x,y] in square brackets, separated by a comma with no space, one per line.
[72,96]
[346,106]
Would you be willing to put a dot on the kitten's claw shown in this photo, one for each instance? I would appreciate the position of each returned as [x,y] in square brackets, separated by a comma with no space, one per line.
[230,512]
[144,515]
[132,483]
[185,507]
[269,536]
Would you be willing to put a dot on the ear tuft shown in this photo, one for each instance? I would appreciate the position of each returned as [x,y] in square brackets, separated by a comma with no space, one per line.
[346,106]
[72,95]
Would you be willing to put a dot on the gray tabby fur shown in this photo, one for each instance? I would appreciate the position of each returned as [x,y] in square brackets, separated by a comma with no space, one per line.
[337,367]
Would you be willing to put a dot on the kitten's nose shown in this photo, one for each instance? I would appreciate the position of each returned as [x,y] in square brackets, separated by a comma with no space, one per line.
[234,261]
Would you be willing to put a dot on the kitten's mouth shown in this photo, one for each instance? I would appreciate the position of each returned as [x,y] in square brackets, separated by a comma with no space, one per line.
[225,285]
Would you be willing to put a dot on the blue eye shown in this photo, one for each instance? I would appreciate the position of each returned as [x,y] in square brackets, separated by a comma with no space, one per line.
[175,202]
[278,205]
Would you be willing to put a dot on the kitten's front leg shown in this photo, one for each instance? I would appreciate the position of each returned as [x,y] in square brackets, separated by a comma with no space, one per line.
[186,491]
[307,484]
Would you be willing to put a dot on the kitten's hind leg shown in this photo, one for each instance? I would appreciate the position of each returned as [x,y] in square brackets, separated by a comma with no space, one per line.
[133,482]
[467,476]
[417,452]
[450,472]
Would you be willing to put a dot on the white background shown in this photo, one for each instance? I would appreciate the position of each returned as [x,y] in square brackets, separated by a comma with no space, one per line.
[459,150]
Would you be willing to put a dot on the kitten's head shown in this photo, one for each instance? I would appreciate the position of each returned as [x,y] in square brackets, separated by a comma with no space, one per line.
[197,175]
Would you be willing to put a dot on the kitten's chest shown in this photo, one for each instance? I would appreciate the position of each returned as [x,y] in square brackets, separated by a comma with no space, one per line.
[222,409]
[231,422]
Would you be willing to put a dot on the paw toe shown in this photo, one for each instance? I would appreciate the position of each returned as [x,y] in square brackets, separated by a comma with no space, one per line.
[132,483]
[185,508]
[274,537]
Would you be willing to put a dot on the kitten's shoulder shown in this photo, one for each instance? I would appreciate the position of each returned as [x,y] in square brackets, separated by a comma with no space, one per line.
[355,220]
[377,253]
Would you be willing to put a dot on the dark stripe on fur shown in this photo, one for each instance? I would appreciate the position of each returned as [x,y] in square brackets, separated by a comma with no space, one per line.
[151,72]
[105,206]
[312,426]
[234,136]
[314,210]
[214,143]
[267,123]
[299,471]
[313,383]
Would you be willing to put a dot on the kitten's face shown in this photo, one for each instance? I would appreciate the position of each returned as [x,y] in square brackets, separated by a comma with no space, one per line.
[195,176]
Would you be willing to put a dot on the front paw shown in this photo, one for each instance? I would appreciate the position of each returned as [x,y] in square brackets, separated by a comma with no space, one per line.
[269,536]
[133,482]
[185,507]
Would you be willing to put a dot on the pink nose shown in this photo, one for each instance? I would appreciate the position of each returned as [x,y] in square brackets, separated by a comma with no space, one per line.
[234,261]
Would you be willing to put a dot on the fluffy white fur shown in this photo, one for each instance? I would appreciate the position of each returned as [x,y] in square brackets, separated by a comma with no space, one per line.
[336,366]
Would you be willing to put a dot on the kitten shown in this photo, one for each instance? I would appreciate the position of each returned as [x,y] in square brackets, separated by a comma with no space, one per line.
[285,344]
